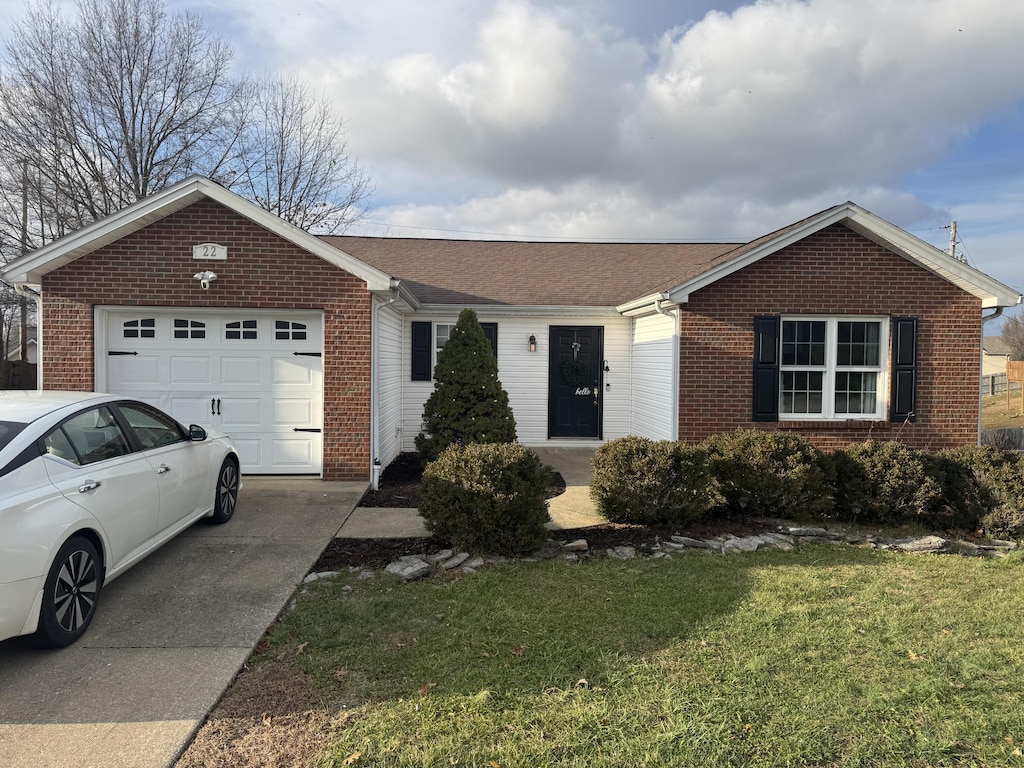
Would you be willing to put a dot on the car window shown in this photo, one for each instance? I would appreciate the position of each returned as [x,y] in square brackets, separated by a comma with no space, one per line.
[152,427]
[57,444]
[8,429]
[95,435]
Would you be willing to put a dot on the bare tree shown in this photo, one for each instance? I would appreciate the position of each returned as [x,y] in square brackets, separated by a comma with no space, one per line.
[1013,336]
[112,107]
[295,158]
[125,100]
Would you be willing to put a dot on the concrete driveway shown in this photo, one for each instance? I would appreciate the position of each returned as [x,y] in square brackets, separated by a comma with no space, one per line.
[169,636]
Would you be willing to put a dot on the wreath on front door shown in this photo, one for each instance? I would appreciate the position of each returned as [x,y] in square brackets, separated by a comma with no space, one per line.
[575,372]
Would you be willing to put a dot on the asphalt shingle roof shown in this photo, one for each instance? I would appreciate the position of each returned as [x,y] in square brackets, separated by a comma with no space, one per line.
[532,273]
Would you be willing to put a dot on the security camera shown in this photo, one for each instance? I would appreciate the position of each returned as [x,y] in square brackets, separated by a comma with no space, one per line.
[205,278]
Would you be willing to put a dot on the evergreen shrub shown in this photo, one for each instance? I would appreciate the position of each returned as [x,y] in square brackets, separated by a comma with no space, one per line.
[1000,474]
[487,498]
[884,482]
[770,473]
[468,404]
[638,480]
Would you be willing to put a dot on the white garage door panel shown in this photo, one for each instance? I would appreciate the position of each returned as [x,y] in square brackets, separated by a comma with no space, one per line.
[233,371]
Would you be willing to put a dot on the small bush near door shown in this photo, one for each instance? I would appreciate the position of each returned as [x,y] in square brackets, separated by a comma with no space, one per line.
[468,404]
[487,498]
[637,480]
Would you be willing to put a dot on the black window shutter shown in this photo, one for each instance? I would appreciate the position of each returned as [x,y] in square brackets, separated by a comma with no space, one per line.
[491,332]
[766,368]
[904,369]
[421,338]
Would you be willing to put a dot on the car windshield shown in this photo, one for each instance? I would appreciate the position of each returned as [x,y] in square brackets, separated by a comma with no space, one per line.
[8,429]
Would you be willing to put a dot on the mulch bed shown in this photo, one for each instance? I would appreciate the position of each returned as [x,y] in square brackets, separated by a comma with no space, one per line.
[400,487]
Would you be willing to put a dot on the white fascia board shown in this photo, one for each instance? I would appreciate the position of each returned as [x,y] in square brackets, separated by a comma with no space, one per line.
[990,291]
[31,268]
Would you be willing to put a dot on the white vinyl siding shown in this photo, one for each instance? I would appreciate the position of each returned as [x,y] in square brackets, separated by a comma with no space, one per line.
[524,374]
[653,377]
[389,391]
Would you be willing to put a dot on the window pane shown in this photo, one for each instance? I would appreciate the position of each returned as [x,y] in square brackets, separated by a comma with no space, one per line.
[151,427]
[856,392]
[858,343]
[803,342]
[802,392]
[96,435]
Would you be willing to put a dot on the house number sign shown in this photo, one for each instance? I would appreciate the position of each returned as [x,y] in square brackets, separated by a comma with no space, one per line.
[210,251]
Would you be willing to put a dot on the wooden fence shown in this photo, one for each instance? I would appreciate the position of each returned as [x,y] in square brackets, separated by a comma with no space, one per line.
[995,384]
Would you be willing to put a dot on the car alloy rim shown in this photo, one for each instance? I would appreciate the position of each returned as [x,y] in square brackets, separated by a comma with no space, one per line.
[74,594]
[228,489]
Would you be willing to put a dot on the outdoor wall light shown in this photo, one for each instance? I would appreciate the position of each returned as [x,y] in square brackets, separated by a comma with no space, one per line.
[533,343]
[205,278]
[606,368]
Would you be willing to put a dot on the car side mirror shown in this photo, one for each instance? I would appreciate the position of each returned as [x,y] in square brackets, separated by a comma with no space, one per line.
[196,433]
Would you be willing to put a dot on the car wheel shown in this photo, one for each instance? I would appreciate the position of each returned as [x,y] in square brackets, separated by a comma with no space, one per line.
[70,594]
[227,493]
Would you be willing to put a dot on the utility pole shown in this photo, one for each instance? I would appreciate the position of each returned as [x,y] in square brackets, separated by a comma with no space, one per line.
[952,240]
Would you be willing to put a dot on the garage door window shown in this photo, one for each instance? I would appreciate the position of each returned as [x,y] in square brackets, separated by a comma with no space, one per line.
[189,329]
[140,329]
[285,330]
[240,330]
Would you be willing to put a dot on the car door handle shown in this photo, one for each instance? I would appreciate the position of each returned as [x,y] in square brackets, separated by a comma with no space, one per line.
[89,485]
[163,469]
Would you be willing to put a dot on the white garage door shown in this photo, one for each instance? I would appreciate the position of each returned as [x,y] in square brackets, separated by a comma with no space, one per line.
[256,376]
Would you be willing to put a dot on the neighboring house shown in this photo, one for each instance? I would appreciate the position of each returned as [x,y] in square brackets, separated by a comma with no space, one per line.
[31,344]
[316,354]
[994,354]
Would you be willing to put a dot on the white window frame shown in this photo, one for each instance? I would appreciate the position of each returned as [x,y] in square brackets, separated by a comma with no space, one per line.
[438,346]
[831,368]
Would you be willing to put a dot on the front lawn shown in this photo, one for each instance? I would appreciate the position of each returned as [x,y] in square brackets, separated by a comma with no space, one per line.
[830,655]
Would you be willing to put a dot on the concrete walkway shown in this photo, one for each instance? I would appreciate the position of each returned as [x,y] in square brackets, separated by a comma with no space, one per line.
[572,509]
[169,636]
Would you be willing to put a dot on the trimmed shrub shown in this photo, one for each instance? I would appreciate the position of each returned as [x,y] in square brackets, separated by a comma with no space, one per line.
[468,404]
[1001,476]
[770,473]
[487,498]
[637,480]
[884,482]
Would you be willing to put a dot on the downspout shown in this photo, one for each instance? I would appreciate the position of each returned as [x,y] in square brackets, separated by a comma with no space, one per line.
[23,290]
[375,464]
[995,315]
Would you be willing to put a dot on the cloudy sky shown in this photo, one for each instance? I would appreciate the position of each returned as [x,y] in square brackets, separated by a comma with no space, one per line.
[662,119]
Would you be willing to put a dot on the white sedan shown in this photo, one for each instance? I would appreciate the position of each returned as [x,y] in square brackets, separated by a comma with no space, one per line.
[89,485]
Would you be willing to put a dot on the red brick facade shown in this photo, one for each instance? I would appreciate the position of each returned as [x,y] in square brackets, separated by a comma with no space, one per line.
[154,267]
[835,271]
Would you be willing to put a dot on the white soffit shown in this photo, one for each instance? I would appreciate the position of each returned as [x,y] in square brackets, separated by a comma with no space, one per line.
[31,268]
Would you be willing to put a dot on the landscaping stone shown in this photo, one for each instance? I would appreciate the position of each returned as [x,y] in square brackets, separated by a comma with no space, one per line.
[409,569]
[317,576]
[924,544]
[454,561]
[686,541]
[786,539]
[622,553]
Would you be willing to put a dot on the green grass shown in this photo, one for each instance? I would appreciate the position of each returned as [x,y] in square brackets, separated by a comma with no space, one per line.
[826,656]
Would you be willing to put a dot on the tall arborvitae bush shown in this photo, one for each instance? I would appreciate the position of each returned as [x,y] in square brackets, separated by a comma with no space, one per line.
[468,404]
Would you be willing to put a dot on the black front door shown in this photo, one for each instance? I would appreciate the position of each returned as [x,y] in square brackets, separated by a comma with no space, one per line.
[575,364]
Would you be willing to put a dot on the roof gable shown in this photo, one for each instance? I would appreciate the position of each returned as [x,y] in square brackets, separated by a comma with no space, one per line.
[990,291]
[31,268]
